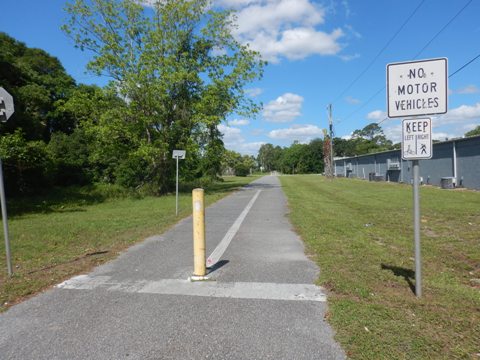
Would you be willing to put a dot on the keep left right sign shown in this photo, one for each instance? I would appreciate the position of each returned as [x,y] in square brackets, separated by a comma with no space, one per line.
[417,139]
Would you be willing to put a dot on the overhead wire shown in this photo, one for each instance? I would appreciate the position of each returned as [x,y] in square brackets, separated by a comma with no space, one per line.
[418,54]
[443,28]
[449,76]
[379,53]
[464,66]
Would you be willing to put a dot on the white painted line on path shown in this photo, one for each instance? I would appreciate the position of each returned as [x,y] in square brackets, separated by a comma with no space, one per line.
[238,290]
[223,245]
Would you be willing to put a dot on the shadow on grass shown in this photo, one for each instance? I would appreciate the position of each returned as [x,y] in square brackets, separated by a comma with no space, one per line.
[407,274]
[75,198]
[57,200]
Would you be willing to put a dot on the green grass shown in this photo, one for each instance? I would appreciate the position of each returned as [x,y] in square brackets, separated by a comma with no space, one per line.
[361,235]
[71,230]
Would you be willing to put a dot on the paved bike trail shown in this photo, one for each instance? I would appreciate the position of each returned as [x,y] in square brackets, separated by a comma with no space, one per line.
[260,303]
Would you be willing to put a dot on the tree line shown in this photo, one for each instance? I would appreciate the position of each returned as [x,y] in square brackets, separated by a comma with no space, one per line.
[309,158]
[176,73]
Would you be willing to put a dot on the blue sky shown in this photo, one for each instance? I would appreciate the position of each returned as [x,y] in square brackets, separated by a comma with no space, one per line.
[315,49]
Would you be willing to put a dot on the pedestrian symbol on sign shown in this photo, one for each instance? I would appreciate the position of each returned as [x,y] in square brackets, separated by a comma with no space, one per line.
[423,148]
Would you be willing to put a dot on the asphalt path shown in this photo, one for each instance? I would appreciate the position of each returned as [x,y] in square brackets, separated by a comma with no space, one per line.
[260,302]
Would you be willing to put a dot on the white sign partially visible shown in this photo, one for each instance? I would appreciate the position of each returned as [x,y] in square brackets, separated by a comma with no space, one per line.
[180,154]
[417,88]
[417,139]
[6,105]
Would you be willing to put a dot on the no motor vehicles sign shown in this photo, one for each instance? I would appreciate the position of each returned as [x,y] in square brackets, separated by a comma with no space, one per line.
[417,88]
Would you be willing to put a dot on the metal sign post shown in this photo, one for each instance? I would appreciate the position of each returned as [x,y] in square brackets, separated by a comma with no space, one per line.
[417,88]
[6,110]
[5,222]
[416,145]
[177,154]
[416,228]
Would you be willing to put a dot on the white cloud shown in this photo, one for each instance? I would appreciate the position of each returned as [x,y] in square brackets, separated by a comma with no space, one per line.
[353,32]
[234,140]
[231,135]
[352,101]
[283,109]
[470,89]
[256,132]
[148,3]
[454,124]
[250,148]
[469,127]
[271,15]
[349,57]
[376,115]
[235,3]
[284,28]
[393,132]
[296,44]
[302,133]
[239,122]
[346,5]
[459,115]
[254,92]
[442,136]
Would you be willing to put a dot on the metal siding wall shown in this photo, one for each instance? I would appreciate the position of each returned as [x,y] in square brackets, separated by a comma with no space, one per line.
[365,164]
[339,167]
[441,164]
[382,164]
[468,163]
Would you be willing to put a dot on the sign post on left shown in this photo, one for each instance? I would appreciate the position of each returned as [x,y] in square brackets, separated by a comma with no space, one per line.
[178,155]
[6,110]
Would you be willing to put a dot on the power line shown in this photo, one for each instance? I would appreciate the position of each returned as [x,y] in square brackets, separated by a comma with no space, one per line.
[443,28]
[380,52]
[423,48]
[464,66]
[449,76]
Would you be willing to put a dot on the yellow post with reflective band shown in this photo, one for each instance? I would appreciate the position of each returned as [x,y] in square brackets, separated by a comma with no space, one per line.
[199,257]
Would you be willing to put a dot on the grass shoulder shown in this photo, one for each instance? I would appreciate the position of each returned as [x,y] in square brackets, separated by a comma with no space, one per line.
[361,235]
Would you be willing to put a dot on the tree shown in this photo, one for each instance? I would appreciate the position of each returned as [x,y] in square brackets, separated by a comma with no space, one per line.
[26,164]
[38,82]
[367,140]
[178,68]
[266,157]
[344,147]
[315,156]
[473,132]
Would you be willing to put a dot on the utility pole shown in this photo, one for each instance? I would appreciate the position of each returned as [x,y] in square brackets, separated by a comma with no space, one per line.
[328,146]
[330,124]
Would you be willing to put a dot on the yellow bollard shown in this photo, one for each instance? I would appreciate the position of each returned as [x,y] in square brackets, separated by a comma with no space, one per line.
[199,257]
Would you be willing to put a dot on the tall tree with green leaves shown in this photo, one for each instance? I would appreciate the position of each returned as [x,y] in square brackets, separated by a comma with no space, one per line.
[39,84]
[177,67]
[473,132]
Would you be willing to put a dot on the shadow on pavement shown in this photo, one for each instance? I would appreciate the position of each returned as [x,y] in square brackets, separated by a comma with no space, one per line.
[217,266]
